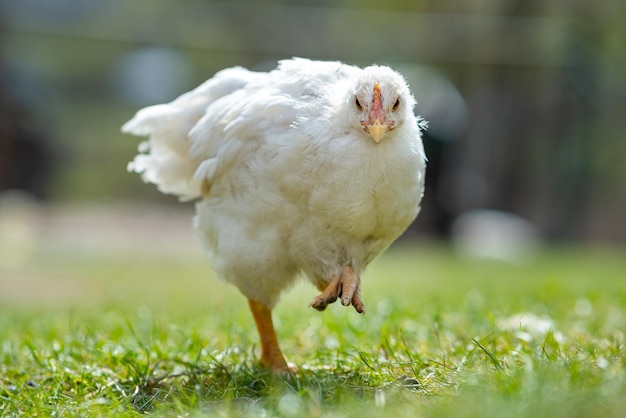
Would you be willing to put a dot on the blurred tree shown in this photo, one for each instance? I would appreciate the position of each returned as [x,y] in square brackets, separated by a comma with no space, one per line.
[26,153]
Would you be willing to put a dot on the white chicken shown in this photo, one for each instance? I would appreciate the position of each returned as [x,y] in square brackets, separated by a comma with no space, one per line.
[311,169]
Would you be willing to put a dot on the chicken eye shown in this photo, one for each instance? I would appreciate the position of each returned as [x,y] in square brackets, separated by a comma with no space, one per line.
[396,105]
[357,103]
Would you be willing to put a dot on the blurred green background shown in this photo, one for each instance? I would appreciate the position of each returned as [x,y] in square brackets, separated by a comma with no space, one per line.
[525,98]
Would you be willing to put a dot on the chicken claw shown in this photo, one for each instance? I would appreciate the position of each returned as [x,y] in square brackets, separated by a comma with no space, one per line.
[346,286]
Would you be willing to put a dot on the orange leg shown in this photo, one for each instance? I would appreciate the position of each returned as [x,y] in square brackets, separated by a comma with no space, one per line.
[346,286]
[271,356]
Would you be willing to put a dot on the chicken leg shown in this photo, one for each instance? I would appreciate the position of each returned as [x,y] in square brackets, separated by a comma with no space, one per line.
[271,356]
[347,286]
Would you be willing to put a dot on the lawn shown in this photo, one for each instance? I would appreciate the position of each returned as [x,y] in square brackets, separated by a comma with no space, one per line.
[123,334]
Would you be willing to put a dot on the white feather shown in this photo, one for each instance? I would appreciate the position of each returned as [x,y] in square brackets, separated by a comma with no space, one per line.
[290,184]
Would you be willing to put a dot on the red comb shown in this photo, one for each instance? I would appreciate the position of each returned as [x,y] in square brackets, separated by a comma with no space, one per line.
[377,104]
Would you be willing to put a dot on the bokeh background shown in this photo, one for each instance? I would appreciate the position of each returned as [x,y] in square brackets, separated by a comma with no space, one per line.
[525,100]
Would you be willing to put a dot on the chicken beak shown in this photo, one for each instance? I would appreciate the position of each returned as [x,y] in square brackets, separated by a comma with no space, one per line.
[377,130]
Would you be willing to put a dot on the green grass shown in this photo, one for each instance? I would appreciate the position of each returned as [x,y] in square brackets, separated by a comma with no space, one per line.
[126,336]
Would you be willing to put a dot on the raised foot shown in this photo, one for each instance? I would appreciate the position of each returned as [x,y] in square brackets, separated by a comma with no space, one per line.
[346,286]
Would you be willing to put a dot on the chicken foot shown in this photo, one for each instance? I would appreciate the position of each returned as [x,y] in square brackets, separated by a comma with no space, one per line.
[271,356]
[347,286]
